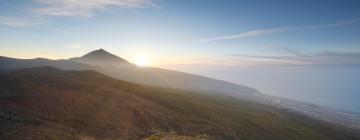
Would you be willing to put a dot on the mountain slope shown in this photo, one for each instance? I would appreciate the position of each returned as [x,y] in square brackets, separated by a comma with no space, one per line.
[119,68]
[122,70]
[48,103]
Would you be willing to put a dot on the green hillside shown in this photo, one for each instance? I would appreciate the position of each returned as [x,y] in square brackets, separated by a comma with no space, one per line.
[47,103]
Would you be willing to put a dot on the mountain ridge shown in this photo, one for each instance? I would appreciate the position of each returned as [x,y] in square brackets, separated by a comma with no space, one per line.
[124,70]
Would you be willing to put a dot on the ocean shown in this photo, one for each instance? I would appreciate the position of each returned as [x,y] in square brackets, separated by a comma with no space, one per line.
[333,86]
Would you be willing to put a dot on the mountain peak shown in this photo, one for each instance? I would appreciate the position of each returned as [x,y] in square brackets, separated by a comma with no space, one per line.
[99,52]
[101,55]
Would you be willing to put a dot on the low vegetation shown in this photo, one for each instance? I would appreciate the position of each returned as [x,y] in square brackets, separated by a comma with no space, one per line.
[47,103]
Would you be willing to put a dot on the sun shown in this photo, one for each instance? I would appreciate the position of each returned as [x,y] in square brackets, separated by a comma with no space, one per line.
[142,61]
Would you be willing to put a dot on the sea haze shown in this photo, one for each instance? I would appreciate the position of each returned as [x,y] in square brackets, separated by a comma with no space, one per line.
[333,86]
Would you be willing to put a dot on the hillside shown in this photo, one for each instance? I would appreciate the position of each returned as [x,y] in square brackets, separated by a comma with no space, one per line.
[7,63]
[117,67]
[47,103]
[121,69]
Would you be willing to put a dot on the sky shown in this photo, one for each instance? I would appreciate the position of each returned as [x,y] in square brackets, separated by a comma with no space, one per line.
[178,32]
[221,39]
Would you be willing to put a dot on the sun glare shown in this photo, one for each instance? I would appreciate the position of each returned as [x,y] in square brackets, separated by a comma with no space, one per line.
[142,61]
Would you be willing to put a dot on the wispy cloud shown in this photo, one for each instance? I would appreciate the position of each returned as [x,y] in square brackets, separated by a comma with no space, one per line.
[20,22]
[84,8]
[252,33]
[261,32]
[320,58]
[80,8]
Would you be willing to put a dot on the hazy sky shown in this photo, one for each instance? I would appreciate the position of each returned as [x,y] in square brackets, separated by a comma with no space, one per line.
[185,32]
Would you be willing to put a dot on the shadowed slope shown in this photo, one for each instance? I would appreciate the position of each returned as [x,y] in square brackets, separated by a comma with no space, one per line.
[7,63]
[47,103]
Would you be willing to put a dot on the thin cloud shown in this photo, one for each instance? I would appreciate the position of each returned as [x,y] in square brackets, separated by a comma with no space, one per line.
[82,8]
[261,32]
[322,58]
[85,8]
[247,34]
[20,22]
[281,50]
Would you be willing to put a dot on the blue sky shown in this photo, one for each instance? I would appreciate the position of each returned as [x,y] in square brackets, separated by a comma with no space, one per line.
[207,32]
